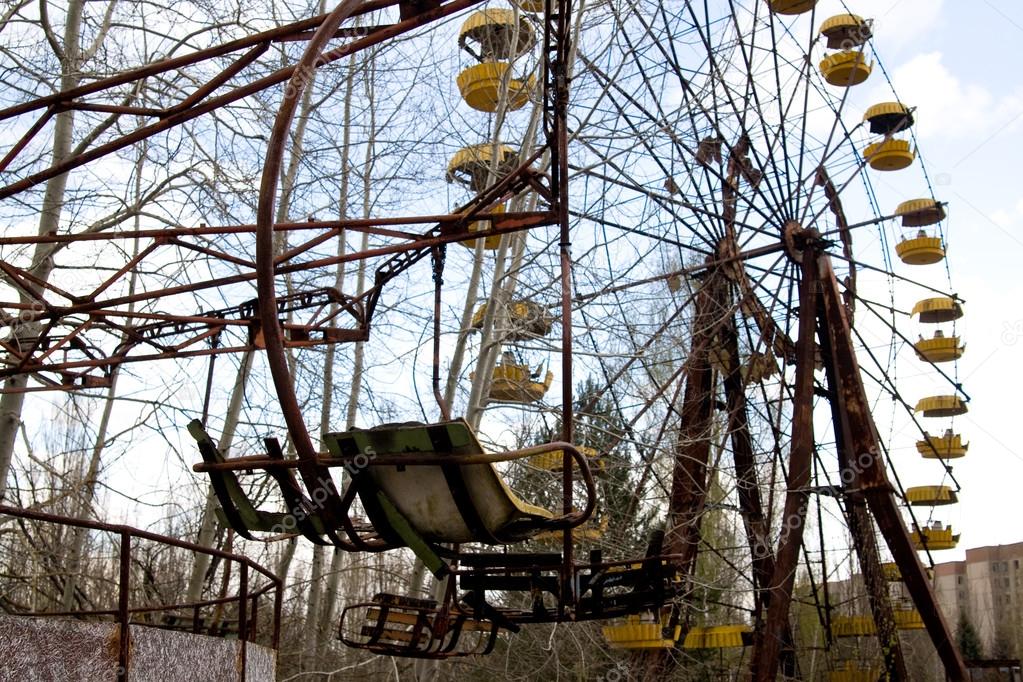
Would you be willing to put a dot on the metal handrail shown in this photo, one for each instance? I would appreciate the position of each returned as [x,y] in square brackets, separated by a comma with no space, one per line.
[123,610]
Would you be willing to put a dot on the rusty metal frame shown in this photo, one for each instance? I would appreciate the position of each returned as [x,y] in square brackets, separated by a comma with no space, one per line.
[748,490]
[823,312]
[202,101]
[123,612]
[872,477]
[59,359]
[180,335]
[858,520]
[769,639]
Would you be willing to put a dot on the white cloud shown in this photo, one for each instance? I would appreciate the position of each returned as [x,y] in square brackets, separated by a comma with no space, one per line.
[897,23]
[946,106]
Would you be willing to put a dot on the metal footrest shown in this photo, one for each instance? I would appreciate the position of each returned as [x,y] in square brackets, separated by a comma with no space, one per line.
[415,628]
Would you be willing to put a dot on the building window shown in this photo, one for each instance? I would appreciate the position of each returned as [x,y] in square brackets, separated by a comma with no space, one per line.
[1006,582]
[994,567]
[959,580]
[1015,564]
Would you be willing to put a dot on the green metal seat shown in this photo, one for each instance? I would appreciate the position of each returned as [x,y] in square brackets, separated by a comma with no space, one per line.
[421,486]
[443,503]
[237,510]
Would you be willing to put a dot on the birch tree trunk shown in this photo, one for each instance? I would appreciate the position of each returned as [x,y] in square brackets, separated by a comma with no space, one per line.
[208,524]
[330,590]
[88,492]
[69,56]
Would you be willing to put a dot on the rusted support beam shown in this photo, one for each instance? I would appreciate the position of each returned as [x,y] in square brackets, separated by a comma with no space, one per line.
[748,487]
[375,226]
[243,614]
[769,640]
[449,228]
[873,478]
[747,483]
[862,530]
[123,613]
[857,517]
[688,495]
[557,39]
[692,449]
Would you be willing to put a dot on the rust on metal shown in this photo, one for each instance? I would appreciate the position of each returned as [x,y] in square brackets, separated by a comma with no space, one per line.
[123,613]
[873,479]
[769,639]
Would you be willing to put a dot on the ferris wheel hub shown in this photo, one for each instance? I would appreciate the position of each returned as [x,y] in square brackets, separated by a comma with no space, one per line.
[797,238]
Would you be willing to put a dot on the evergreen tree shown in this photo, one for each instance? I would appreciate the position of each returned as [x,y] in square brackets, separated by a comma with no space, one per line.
[967,639]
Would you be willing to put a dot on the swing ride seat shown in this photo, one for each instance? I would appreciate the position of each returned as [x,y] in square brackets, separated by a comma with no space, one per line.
[415,628]
[469,625]
[419,484]
[604,590]
[236,509]
[238,512]
[445,486]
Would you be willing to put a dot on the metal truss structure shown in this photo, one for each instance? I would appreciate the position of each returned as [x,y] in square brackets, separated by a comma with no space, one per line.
[71,340]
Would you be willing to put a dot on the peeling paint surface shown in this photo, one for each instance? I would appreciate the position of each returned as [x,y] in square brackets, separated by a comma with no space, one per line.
[52,650]
[62,650]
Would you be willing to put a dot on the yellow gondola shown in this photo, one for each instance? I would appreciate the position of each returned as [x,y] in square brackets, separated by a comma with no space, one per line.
[489,243]
[908,619]
[853,626]
[920,212]
[534,6]
[889,155]
[718,637]
[920,250]
[472,165]
[942,406]
[941,348]
[853,672]
[516,383]
[948,446]
[930,496]
[496,34]
[638,632]
[482,86]
[934,538]
[888,118]
[528,320]
[555,460]
[892,572]
[791,6]
[846,69]
[938,310]
[591,531]
[846,31]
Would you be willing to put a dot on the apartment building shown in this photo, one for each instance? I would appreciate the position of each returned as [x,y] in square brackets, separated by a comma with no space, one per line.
[988,587]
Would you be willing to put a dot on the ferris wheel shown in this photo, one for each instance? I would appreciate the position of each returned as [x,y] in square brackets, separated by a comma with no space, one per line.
[692,204]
